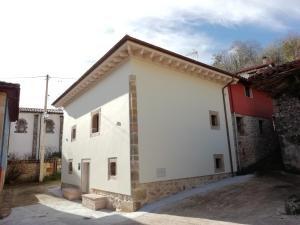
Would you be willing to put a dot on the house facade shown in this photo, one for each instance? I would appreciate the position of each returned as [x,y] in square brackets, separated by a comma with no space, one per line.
[25,133]
[9,110]
[252,112]
[144,123]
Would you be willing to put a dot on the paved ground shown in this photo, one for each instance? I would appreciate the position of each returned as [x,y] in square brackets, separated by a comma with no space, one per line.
[241,200]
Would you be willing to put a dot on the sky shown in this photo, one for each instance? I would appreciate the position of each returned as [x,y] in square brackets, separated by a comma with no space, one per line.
[64,38]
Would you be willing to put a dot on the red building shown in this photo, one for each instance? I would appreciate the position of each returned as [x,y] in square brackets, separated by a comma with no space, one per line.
[252,112]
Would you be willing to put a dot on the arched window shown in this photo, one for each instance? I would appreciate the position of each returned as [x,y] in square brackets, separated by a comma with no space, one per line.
[49,126]
[21,126]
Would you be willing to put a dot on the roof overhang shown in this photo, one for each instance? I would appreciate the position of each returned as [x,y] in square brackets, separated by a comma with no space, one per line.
[13,97]
[132,47]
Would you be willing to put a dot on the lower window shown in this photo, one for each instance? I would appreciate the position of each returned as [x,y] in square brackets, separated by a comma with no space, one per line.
[219,163]
[112,168]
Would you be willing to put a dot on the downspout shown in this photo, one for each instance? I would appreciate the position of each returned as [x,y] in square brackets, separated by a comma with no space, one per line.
[227,129]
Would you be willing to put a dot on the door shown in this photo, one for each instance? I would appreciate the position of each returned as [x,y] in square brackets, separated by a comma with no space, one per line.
[85,176]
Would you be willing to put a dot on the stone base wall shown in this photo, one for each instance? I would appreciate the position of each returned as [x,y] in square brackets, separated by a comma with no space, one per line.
[31,169]
[150,192]
[287,122]
[253,146]
[115,201]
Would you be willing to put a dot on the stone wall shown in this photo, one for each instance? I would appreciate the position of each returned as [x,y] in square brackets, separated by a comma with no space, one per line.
[31,169]
[287,122]
[253,144]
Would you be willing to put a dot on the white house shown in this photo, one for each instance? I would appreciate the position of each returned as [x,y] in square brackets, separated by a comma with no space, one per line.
[25,133]
[145,122]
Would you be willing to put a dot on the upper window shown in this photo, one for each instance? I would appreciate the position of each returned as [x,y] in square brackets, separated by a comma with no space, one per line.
[248,91]
[95,122]
[73,133]
[214,119]
[21,126]
[49,126]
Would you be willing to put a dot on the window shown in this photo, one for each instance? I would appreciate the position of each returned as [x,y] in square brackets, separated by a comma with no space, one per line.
[260,125]
[112,168]
[214,120]
[73,133]
[21,126]
[248,91]
[49,126]
[70,166]
[240,125]
[95,122]
[219,163]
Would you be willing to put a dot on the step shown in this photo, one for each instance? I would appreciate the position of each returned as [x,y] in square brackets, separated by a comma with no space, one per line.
[71,193]
[94,201]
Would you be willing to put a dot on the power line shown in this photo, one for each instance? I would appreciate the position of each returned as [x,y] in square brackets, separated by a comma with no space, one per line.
[32,77]
[21,77]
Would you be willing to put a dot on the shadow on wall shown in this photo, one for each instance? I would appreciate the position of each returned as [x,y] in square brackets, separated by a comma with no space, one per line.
[75,176]
[97,97]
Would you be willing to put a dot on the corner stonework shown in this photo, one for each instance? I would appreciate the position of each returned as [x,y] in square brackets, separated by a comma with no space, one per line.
[138,194]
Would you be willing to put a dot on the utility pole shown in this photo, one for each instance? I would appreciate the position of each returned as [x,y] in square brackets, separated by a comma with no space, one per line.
[42,135]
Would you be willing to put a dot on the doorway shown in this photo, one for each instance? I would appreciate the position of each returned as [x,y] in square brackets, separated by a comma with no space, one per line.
[85,175]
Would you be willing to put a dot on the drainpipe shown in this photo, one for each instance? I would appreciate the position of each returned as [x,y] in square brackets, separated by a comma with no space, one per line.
[226,122]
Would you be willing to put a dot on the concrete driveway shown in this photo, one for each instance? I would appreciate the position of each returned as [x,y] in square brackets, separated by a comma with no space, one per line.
[238,200]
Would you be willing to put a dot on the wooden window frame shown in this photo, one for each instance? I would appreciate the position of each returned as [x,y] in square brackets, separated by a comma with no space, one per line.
[95,133]
[250,92]
[216,114]
[72,129]
[70,166]
[112,160]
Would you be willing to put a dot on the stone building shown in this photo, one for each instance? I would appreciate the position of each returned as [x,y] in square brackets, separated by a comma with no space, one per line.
[9,111]
[144,123]
[282,82]
[25,133]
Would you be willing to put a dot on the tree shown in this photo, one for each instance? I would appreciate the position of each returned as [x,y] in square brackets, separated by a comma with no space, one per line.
[239,55]
[290,47]
[245,54]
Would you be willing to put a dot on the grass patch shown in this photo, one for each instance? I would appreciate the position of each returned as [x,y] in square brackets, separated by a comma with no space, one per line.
[55,176]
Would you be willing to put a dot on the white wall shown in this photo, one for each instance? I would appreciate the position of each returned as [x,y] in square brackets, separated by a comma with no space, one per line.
[111,95]
[20,144]
[52,139]
[173,123]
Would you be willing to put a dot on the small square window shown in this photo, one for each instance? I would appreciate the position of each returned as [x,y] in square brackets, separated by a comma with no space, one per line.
[95,122]
[260,125]
[240,125]
[248,91]
[219,163]
[112,168]
[214,120]
[73,133]
[70,166]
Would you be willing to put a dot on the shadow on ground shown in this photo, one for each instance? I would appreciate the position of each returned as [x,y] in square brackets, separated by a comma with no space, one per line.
[259,201]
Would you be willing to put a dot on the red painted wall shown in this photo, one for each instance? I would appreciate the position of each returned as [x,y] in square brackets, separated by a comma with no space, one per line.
[259,105]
